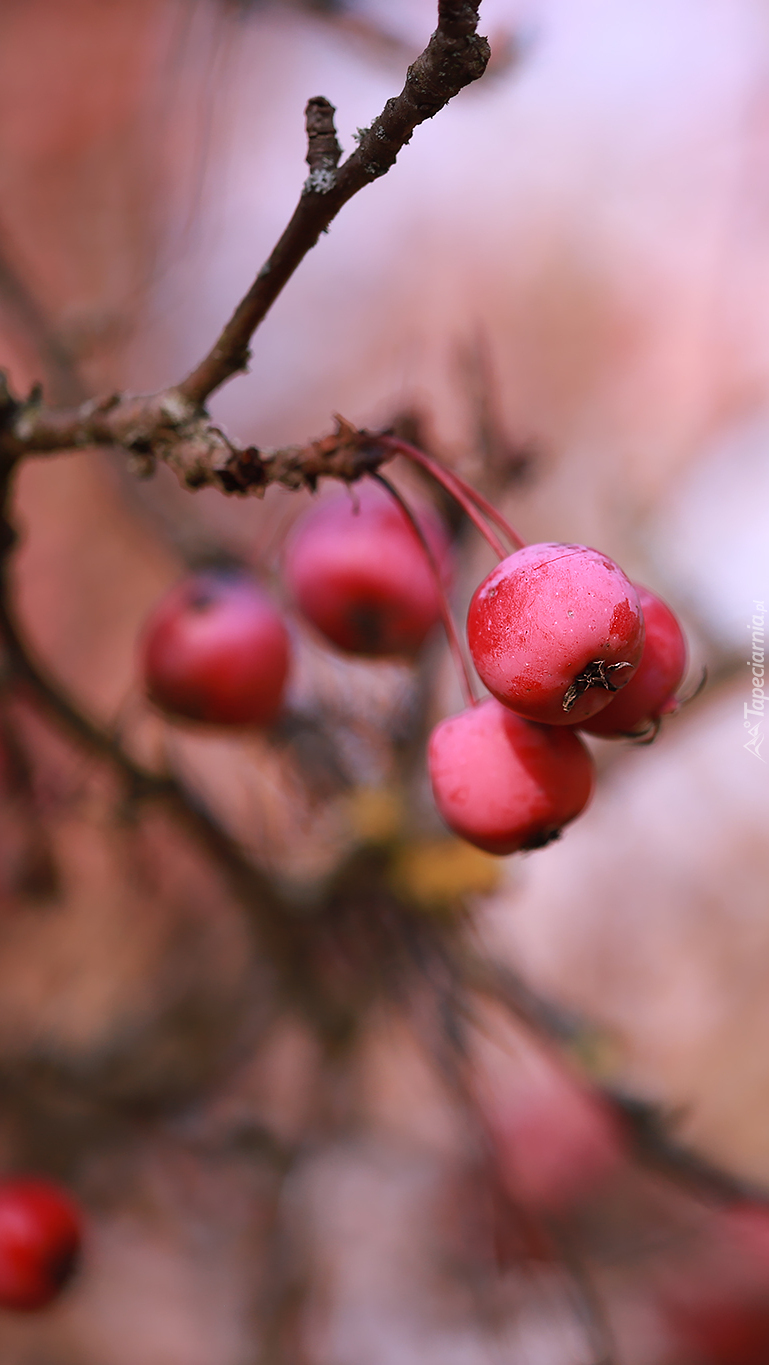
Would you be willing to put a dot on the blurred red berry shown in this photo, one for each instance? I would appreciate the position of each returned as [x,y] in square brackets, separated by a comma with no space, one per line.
[555,1144]
[651,690]
[719,1315]
[216,649]
[359,574]
[40,1239]
[554,630]
[504,784]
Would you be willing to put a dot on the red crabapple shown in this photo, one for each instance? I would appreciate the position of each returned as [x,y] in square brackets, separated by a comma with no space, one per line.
[504,784]
[360,575]
[651,690]
[216,649]
[554,630]
[40,1237]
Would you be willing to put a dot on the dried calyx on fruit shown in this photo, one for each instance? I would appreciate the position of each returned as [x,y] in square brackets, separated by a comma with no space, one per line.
[216,649]
[506,784]
[651,692]
[40,1240]
[359,574]
[555,631]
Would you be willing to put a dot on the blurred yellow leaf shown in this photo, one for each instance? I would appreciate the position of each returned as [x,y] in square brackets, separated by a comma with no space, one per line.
[376,814]
[438,872]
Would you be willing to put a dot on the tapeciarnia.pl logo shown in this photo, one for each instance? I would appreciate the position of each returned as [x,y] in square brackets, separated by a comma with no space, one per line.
[753,711]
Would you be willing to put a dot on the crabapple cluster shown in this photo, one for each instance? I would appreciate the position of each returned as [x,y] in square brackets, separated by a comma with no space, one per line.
[562,639]
[557,633]
[216,649]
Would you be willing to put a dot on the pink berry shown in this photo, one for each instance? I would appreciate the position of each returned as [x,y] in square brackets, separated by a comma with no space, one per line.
[40,1238]
[360,575]
[554,630]
[504,784]
[216,649]
[651,691]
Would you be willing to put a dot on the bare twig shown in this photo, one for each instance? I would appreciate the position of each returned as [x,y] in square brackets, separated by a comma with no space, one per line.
[172,425]
[454,57]
[142,783]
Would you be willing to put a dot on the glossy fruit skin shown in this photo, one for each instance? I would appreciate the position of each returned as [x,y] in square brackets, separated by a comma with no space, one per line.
[542,617]
[216,649]
[651,691]
[361,576]
[40,1241]
[503,783]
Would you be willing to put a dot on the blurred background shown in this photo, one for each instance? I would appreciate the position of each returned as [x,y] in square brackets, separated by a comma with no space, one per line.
[562,289]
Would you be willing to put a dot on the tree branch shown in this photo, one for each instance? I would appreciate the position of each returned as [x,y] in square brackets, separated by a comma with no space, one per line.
[172,426]
[454,57]
[165,427]
[269,913]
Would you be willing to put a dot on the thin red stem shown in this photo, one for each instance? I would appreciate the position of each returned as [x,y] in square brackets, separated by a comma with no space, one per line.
[463,492]
[452,634]
[444,478]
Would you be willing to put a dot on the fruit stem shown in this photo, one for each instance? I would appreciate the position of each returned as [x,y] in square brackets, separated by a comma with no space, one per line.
[452,634]
[470,500]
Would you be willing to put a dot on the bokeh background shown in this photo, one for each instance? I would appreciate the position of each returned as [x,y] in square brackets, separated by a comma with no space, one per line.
[565,280]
